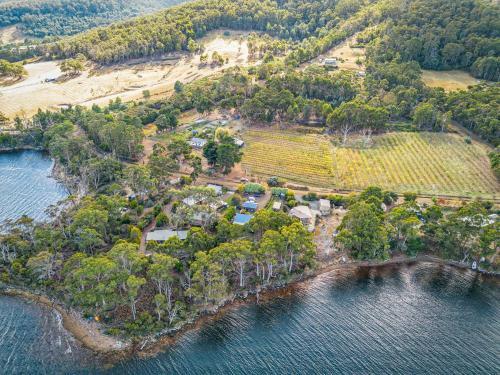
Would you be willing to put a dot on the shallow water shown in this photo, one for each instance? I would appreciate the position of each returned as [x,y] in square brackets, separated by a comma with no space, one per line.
[26,187]
[419,319]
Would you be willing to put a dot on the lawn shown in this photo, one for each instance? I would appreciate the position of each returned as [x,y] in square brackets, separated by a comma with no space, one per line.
[427,163]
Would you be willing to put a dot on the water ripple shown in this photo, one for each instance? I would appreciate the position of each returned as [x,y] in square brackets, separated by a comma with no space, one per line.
[26,187]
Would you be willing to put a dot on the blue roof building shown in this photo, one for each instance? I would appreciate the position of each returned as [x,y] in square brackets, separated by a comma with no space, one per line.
[242,219]
[250,206]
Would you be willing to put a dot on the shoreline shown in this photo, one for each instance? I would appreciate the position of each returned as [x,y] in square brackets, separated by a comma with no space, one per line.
[90,334]
[87,333]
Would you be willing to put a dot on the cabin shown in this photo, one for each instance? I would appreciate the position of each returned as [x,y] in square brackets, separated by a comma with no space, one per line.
[198,142]
[242,219]
[163,235]
[250,206]
[324,207]
[305,215]
[331,63]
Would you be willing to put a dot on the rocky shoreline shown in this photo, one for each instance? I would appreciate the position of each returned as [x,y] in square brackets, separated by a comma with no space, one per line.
[90,334]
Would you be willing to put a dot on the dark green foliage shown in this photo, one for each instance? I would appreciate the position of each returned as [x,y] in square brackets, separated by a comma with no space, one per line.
[41,18]
[443,35]
[478,109]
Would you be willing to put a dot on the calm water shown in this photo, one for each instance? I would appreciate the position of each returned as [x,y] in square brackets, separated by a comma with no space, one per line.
[420,319]
[26,187]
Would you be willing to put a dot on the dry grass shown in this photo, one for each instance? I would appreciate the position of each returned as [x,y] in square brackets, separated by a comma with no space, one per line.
[11,34]
[427,163]
[346,56]
[451,80]
[150,130]
[127,81]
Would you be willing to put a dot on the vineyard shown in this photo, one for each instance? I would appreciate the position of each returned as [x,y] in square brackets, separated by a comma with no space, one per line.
[427,163]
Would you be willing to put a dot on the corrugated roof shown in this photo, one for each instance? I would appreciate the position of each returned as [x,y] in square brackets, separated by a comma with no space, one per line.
[250,205]
[242,219]
[165,234]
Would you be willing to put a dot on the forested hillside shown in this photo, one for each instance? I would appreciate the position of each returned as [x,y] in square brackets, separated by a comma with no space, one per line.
[437,34]
[319,24]
[41,18]
[444,35]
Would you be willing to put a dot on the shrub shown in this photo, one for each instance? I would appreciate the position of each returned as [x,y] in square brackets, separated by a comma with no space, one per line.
[337,200]
[230,213]
[235,200]
[161,219]
[157,210]
[410,197]
[139,209]
[254,188]
[278,191]
[275,181]
[310,197]
[135,235]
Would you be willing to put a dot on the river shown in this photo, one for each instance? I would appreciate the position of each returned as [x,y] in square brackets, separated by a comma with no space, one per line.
[413,319]
[26,187]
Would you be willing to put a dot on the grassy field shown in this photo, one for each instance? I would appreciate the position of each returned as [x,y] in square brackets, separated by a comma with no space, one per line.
[451,80]
[427,163]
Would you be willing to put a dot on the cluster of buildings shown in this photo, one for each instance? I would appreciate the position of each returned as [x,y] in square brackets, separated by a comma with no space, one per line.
[307,214]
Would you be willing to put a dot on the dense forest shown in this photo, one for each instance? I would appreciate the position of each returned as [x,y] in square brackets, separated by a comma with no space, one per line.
[41,18]
[435,33]
[444,35]
[316,23]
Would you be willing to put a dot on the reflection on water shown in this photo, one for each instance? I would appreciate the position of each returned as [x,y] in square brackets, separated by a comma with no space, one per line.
[26,187]
[418,319]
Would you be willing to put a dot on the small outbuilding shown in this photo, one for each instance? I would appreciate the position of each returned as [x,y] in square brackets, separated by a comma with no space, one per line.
[239,142]
[250,206]
[198,142]
[277,206]
[325,207]
[242,219]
